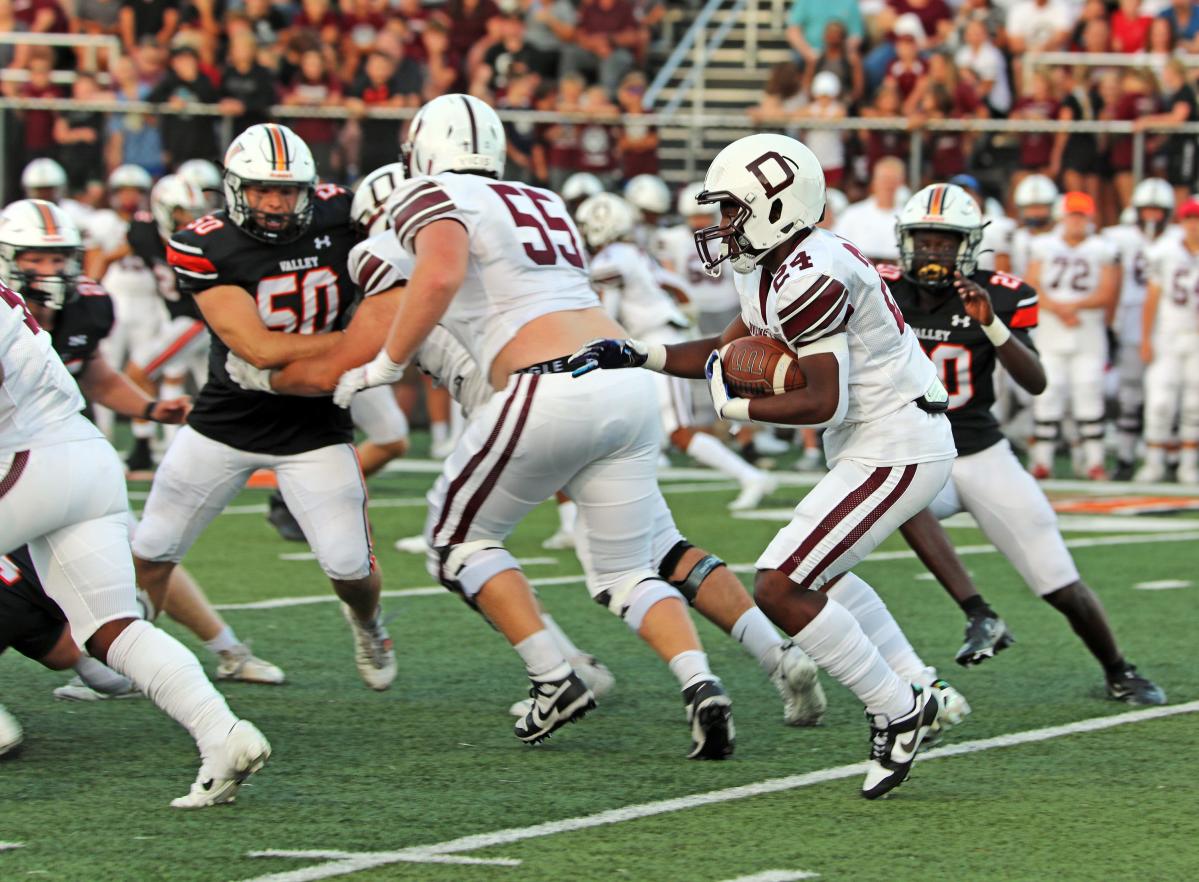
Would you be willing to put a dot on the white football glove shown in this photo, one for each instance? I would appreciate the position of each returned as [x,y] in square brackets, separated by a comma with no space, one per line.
[247,376]
[378,372]
[727,407]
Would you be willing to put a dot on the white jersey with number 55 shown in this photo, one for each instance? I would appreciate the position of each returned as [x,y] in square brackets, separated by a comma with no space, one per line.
[823,283]
[526,255]
[1175,272]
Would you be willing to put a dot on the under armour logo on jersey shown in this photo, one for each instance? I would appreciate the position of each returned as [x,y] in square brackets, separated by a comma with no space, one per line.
[322,242]
[77,340]
[960,321]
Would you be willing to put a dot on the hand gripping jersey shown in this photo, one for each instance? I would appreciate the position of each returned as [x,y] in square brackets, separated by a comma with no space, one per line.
[709,294]
[1070,273]
[39,401]
[1175,271]
[526,256]
[81,324]
[1131,245]
[301,287]
[824,282]
[961,351]
[147,244]
[380,264]
[625,277]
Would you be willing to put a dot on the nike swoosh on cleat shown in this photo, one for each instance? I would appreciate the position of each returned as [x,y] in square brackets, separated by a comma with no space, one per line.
[910,747]
[207,785]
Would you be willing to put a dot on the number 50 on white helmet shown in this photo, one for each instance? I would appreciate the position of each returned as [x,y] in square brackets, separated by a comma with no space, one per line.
[456,133]
[768,187]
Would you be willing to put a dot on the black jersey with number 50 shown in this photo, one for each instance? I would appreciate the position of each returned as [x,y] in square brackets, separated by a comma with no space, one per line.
[964,357]
[301,287]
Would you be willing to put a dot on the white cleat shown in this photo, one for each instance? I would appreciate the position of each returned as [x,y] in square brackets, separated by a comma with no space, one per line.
[754,491]
[76,690]
[593,673]
[563,540]
[811,461]
[244,752]
[241,664]
[10,732]
[373,651]
[795,677]
[893,744]
[952,712]
[1188,475]
[412,545]
[1150,474]
[768,444]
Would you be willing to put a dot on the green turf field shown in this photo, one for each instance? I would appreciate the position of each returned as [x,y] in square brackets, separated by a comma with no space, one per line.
[426,781]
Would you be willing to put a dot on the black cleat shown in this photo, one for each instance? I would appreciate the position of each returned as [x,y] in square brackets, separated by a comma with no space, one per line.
[1124,471]
[284,522]
[985,635]
[139,459]
[1131,688]
[555,703]
[893,744]
[710,713]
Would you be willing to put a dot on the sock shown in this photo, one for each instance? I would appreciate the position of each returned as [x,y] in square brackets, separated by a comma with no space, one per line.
[143,429]
[835,641]
[1042,453]
[1155,456]
[880,628]
[976,606]
[1188,457]
[690,667]
[439,431]
[757,635]
[707,450]
[172,387]
[223,642]
[542,655]
[568,513]
[169,674]
[101,677]
[563,642]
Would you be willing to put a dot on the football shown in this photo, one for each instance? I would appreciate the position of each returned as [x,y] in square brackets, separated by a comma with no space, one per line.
[757,366]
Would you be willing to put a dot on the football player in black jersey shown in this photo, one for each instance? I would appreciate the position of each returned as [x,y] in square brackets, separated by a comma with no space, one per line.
[269,275]
[967,320]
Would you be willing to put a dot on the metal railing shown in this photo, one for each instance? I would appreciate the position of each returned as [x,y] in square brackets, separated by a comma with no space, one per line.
[700,127]
[1155,61]
[676,57]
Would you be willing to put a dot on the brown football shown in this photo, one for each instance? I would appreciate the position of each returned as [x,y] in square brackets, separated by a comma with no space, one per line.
[757,366]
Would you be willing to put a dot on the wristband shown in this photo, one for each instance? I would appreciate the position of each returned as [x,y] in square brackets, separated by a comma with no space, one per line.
[997,332]
[736,410]
[655,357]
[150,405]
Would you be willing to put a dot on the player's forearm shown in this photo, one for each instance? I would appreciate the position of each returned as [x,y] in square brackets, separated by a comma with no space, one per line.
[275,349]
[1023,364]
[824,398]
[309,377]
[689,359]
[102,385]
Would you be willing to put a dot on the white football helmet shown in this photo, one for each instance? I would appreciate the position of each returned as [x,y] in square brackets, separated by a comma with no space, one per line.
[1153,193]
[44,174]
[943,208]
[38,225]
[689,205]
[207,177]
[456,133]
[172,193]
[648,194]
[1035,190]
[269,154]
[772,185]
[605,218]
[579,186]
[371,195]
[131,176]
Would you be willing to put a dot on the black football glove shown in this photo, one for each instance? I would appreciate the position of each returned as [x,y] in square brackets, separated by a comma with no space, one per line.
[609,355]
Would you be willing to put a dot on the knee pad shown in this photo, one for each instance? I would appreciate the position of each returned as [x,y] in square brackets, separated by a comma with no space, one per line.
[1047,431]
[467,567]
[1090,430]
[690,584]
[633,596]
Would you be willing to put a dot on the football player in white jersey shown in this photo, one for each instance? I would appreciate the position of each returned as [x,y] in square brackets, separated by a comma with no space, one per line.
[1152,206]
[1170,350]
[1035,198]
[43,178]
[888,442]
[63,494]
[624,276]
[1077,277]
[382,269]
[651,197]
[503,267]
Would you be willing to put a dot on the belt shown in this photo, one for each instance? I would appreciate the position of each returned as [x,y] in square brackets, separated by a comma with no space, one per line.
[553,366]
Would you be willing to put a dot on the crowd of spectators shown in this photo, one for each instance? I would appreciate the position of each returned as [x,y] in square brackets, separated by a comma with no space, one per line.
[251,55]
[957,59]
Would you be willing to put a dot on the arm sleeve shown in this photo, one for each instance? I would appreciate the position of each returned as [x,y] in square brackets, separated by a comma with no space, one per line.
[811,306]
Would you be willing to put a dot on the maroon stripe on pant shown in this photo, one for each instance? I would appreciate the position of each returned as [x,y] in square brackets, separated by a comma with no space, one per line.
[465,475]
[481,494]
[831,521]
[905,480]
[20,459]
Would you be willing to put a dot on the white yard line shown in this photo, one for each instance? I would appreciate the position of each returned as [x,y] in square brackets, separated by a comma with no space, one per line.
[878,556]
[9,846]
[354,863]
[1163,585]
[777,876]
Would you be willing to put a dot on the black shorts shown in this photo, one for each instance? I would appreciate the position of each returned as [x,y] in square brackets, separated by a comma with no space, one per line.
[30,622]
[1182,160]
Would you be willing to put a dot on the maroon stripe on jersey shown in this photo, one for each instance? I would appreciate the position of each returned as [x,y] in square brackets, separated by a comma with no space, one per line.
[469,469]
[476,501]
[819,314]
[421,189]
[193,262]
[20,459]
[365,271]
[1025,317]
[416,214]
[864,527]
[843,510]
[763,295]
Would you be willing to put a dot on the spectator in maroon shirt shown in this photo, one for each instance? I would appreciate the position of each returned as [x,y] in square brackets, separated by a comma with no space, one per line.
[315,86]
[319,17]
[947,151]
[907,68]
[413,15]
[466,22]
[562,139]
[1130,27]
[38,124]
[1138,98]
[934,15]
[606,35]
[40,16]
[638,142]
[1040,105]
[362,21]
